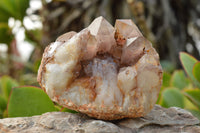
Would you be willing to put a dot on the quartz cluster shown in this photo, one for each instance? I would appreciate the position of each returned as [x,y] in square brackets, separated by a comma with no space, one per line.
[103,71]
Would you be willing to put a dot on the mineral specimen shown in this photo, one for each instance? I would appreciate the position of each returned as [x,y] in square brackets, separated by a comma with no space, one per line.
[103,71]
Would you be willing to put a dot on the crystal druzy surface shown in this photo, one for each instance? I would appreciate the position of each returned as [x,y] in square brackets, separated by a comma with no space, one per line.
[103,71]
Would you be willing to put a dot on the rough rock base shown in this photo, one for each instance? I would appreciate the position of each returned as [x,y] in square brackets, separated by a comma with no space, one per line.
[159,120]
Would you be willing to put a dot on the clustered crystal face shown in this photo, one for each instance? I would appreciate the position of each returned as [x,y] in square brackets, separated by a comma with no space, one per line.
[103,71]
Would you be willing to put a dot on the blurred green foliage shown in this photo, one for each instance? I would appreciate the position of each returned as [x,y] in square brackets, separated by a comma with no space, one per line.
[10,63]
[29,101]
[13,8]
[8,9]
[6,85]
[180,90]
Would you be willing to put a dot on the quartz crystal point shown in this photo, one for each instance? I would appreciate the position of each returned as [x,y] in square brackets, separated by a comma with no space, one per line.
[103,71]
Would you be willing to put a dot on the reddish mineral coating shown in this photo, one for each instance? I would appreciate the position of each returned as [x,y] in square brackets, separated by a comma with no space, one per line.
[105,72]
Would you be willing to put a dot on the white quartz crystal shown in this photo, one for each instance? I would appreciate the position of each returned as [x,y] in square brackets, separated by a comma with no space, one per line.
[103,71]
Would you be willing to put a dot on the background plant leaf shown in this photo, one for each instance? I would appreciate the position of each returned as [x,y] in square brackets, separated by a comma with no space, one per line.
[68,110]
[8,7]
[3,103]
[7,84]
[166,83]
[166,79]
[6,35]
[172,97]
[14,8]
[167,66]
[179,80]
[189,104]
[29,101]
[188,62]
[22,6]
[194,96]
[62,109]
[196,71]
[4,15]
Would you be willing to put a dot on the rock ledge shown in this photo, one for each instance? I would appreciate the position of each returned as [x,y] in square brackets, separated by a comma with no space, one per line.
[158,120]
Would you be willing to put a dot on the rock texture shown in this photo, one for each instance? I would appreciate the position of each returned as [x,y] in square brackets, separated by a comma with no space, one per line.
[159,120]
[103,71]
